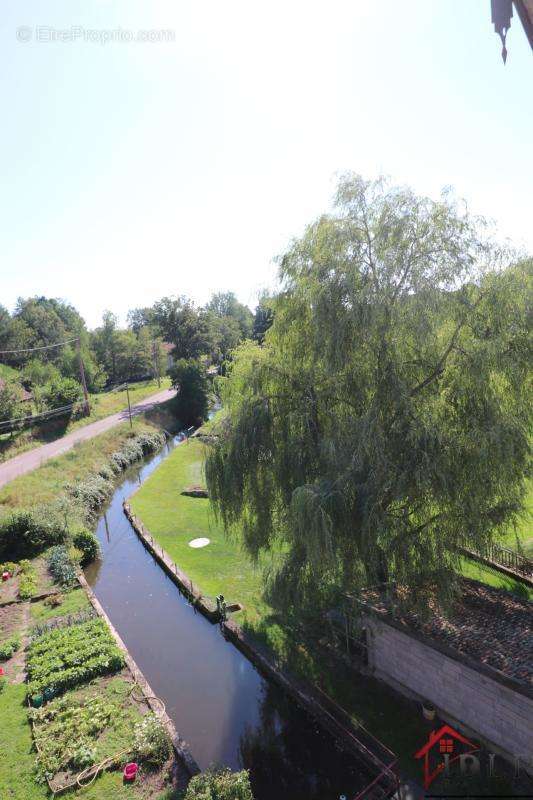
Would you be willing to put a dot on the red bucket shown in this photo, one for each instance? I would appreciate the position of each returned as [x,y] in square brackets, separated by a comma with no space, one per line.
[130,771]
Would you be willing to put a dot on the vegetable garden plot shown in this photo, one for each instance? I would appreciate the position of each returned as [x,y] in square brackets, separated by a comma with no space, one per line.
[67,657]
[94,726]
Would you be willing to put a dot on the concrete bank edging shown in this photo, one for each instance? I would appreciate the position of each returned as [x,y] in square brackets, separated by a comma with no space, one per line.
[182,581]
[305,696]
[180,747]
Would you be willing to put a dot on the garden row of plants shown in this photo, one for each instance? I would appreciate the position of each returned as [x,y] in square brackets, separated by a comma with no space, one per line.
[64,658]
[73,733]
[76,722]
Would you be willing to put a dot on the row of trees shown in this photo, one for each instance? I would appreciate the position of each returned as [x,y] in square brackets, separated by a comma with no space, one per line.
[111,354]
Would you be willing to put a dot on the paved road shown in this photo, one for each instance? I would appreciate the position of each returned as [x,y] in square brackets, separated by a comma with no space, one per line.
[26,462]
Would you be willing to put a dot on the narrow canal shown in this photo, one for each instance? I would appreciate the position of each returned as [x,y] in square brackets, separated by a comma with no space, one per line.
[220,704]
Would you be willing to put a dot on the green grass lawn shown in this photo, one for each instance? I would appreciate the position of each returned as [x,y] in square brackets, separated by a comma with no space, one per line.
[522,537]
[222,566]
[102,405]
[479,572]
[74,601]
[17,759]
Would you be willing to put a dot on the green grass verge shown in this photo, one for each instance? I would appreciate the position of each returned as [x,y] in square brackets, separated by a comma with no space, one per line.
[222,566]
[479,572]
[102,405]
[74,601]
[46,482]
[17,759]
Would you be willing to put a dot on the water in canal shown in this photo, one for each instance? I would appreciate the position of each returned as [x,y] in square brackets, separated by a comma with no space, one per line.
[220,704]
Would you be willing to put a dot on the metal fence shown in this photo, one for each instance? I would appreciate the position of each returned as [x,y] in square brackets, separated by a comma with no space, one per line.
[507,558]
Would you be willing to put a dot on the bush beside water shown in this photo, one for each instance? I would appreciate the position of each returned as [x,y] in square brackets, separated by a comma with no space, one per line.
[220,784]
[25,533]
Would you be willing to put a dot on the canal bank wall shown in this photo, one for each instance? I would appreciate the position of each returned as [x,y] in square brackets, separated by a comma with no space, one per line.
[368,751]
[156,705]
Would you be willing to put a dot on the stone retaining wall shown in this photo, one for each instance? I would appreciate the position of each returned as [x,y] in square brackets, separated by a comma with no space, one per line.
[480,701]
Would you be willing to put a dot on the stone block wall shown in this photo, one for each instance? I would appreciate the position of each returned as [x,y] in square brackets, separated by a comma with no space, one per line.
[484,703]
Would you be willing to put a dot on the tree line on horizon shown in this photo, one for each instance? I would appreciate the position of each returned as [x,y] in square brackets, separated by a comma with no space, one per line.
[173,326]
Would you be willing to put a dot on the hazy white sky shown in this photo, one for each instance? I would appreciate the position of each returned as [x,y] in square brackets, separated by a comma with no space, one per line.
[134,170]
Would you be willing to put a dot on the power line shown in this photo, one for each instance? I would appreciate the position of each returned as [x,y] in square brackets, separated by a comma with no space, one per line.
[32,349]
[37,417]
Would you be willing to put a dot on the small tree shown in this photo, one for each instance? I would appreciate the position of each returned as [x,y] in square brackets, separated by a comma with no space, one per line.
[60,393]
[10,399]
[190,380]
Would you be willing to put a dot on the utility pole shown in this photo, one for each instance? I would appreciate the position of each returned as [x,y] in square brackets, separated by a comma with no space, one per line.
[155,356]
[129,405]
[82,377]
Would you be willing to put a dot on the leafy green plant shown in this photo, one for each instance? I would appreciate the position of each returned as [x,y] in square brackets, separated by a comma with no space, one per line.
[85,615]
[220,784]
[91,493]
[87,542]
[3,683]
[66,657]
[151,741]
[9,648]
[60,566]
[66,730]
[60,393]
[27,580]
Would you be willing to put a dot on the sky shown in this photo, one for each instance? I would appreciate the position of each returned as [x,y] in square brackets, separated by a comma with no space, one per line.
[134,169]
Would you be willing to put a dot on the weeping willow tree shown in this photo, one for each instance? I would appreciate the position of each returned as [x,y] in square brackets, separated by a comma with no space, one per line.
[383,425]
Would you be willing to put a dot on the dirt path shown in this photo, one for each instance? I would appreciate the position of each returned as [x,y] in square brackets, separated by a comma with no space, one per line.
[26,462]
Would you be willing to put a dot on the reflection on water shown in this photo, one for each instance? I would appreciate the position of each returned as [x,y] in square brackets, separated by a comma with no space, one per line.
[226,711]
[289,751]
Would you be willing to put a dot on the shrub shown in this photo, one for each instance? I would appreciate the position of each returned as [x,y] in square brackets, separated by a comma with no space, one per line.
[220,784]
[54,600]
[28,533]
[60,566]
[91,493]
[87,542]
[9,648]
[61,392]
[151,741]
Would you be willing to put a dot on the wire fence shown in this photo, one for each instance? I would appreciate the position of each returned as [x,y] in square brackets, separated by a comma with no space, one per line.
[18,423]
